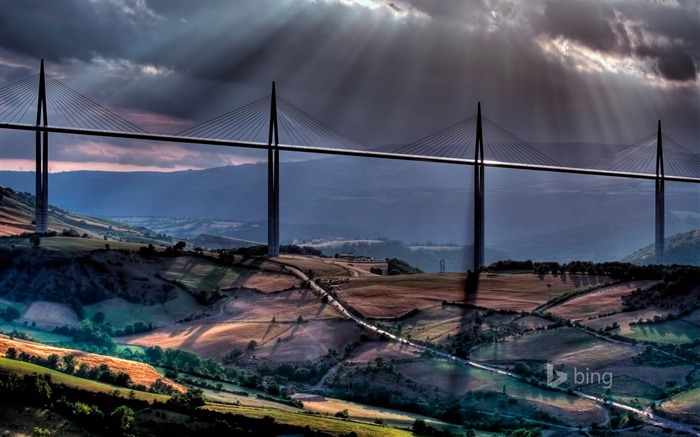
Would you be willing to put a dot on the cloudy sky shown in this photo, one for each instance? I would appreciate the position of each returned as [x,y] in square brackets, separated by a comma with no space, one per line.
[378,71]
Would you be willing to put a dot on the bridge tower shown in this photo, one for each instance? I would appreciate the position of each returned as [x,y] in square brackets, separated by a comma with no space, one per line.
[273,182]
[478,256]
[660,208]
[42,160]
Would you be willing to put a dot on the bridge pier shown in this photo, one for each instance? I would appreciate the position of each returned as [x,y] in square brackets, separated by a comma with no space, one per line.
[659,241]
[478,254]
[273,182]
[41,207]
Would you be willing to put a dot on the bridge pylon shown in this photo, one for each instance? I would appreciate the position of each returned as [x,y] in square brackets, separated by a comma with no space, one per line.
[478,255]
[273,181]
[42,160]
[659,241]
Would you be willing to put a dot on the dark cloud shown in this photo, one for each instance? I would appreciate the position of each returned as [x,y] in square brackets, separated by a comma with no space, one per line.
[667,37]
[388,75]
[586,22]
[677,66]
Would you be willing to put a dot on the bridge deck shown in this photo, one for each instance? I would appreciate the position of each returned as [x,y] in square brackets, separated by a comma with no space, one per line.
[330,151]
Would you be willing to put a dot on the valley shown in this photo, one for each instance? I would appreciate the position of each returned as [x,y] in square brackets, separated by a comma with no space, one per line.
[326,336]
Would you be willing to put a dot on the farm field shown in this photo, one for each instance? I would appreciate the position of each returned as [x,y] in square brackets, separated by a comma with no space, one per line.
[568,346]
[315,267]
[366,413]
[533,322]
[668,332]
[318,422]
[199,274]
[38,335]
[457,380]
[685,406]
[278,342]
[140,373]
[605,300]
[436,322]
[74,382]
[73,244]
[393,296]
[266,282]
[624,319]
[120,312]
[284,306]
[368,352]
[48,315]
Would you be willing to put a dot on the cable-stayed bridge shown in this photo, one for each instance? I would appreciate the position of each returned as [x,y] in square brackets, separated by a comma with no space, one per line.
[274,124]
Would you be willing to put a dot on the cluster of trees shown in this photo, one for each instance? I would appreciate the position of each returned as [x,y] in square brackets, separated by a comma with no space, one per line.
[68,364]
[111,414]
[73,233]
[677,282]
[616,270]
[299,250]
[261,250]
[261,378]
[9,314]
[89,335]
[34,389]
[397,266]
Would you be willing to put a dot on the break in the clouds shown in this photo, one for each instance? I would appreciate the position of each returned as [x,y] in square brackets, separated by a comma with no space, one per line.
[378,71]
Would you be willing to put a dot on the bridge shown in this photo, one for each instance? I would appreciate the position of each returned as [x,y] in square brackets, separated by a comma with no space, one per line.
[261,124]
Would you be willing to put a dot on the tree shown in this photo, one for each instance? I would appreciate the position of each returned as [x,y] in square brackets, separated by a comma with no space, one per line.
[154,354]
[99,317]
[252,344]
[41,432]
[419,427]
[10,314]
[11,353]
[180,245]
[35,240]
[273,388]
[69,363]
[344,414]
[122,418]
[232,355]
[52,361]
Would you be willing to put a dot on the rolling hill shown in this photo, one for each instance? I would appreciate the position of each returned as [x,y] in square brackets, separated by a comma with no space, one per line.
[533,215]
[17,217]
[683,248]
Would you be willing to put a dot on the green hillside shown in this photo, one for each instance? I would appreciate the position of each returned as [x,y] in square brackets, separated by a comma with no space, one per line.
[683,248]
[17,217]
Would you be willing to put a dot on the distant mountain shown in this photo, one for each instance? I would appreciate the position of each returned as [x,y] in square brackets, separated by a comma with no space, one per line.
[17,217]
[683,248]
[529,214]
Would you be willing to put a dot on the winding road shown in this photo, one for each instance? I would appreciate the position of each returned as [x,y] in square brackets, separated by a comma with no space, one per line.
[644,414]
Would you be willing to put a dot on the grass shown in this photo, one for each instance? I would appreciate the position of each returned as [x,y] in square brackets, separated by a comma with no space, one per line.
[669,332]
[141,373]
[629,390]
[74,244]
[23,368]
[314,266]
[38,335]
[604,300]
[686,405]
[327,424]
[317,422]
[366,413]
[391,296]
[456,379]
[568,346]
[120,312]
[199,274]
